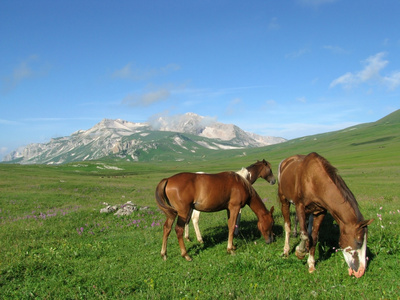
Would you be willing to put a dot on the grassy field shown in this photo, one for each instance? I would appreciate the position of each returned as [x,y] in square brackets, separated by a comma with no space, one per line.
[54,243]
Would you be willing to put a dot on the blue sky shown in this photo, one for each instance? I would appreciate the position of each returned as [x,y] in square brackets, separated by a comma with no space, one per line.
[280,68]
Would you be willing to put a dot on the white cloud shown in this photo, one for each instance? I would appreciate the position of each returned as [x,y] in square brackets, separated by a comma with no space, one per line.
[370,74]
[335,49]
[295,130]
[232,106]
[297,53]
[271,102]
[134,73]
[3,150]
[146,99]
[302,99]
[8,122]
[23,71]
[273,24]
[392,81]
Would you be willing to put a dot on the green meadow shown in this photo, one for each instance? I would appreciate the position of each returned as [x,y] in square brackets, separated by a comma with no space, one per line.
[55,244]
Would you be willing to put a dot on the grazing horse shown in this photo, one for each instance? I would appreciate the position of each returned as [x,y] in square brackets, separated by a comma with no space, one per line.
[312,184]
[260,169]
[179,194]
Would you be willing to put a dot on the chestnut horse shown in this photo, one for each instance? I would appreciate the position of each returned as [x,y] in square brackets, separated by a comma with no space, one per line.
[260,169]
[312,184]
[178,195]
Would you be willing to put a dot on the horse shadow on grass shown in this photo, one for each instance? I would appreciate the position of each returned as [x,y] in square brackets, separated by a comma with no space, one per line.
[213,236]
[328,238]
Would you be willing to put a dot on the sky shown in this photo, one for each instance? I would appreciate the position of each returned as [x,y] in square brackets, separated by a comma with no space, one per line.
[277,68]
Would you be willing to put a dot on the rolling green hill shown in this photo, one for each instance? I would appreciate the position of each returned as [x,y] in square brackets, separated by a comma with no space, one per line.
[56,245]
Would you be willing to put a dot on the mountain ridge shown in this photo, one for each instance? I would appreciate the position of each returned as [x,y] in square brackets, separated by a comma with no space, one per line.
[188,133]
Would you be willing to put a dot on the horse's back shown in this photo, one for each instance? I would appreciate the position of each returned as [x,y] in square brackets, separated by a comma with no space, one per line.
[205,190]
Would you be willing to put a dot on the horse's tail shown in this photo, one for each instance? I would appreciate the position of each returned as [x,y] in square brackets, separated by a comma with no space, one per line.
[162,200]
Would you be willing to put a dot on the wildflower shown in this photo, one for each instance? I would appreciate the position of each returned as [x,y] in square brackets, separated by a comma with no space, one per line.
[382,226]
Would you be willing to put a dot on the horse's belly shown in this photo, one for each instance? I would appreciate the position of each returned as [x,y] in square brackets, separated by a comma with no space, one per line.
[208,206]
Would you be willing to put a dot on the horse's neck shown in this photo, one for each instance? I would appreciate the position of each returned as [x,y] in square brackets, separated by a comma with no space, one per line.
[341,209]
[257,206]
[253,173]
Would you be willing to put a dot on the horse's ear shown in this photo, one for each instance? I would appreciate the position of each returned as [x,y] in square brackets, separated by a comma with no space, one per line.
[365,223]
[271,210]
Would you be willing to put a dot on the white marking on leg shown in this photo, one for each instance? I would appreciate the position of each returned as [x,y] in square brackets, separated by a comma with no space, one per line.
[195,220]
[287,236]
[311,263]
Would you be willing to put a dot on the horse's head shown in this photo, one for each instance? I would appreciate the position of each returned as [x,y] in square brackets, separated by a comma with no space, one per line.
[265,225]
[266,172]
[353,242]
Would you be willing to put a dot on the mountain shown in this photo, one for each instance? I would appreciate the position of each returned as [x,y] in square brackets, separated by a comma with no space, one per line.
[187,136]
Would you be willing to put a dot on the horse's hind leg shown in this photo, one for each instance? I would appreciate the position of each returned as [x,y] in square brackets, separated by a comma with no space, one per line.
[316,223]
[179,228]
[296,221]
[232,217]
[167,230]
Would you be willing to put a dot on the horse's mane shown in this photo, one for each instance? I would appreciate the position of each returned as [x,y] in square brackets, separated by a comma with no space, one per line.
[341,185]
[246,182]
[244,173]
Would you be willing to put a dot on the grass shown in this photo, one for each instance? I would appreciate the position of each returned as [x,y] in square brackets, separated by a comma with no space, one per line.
[54,243]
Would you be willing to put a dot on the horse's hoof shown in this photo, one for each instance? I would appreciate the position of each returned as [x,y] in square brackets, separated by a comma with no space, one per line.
[300,254]
[164,256]
[231,251]
[201,241]
[187,257]
[311,270]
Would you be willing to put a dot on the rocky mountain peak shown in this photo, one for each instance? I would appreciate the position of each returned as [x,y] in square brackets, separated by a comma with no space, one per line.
[120,137]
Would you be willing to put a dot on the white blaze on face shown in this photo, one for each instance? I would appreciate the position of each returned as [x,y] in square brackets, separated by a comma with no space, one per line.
[356,259]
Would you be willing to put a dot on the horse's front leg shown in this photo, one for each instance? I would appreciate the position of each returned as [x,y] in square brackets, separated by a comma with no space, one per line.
[232,216]
[303,247]
[195,220]
[316,223]
[179,228]
[286,216]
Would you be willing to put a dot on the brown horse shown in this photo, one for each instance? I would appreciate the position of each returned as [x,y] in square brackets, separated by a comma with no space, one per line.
[178,195]
[260,169]
[312,184]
